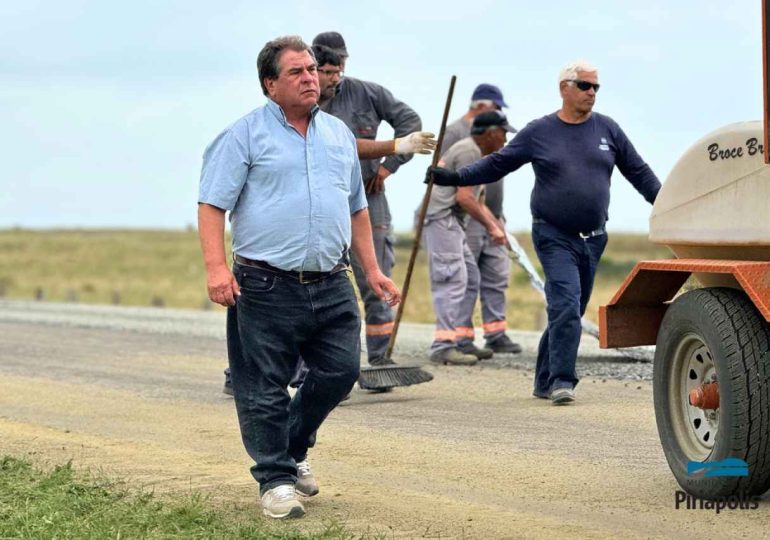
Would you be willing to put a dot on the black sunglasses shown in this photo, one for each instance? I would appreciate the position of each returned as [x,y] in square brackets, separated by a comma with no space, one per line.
[585,85]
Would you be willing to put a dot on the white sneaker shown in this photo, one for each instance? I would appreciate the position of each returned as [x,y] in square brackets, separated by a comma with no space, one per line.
[562,396]
[281,502]
[306,485]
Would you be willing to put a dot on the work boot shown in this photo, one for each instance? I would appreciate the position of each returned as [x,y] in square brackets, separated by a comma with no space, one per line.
[452,357]
[469,348]
[503,344]
[306,485]
[380,361]
[281,502]
[228,388]
[562,396]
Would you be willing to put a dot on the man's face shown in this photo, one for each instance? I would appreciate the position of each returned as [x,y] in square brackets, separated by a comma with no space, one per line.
[493,140]
[581,101]
[498,138]
[297,82]
[329,77]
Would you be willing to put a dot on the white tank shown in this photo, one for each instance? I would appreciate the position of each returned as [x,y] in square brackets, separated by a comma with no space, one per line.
[715,204]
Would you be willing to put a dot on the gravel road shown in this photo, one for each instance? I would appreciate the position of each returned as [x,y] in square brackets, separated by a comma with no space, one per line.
[137,392]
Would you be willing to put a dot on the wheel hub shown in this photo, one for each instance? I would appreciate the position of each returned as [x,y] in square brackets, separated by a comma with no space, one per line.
[705,396]
[695,390]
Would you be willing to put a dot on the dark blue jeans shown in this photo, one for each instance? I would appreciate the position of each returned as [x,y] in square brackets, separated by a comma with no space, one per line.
[569,264]
[275,320]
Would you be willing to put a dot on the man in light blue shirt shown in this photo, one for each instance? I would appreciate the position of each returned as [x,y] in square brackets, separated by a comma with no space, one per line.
[289,175]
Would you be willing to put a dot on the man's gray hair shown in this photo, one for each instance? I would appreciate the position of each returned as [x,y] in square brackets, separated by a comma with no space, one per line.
[482,103]
[267,61]
[569,72]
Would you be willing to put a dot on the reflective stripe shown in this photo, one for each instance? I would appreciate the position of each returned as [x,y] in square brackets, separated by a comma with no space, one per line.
[379,329]
[444,335]
[465,332]
[496,326]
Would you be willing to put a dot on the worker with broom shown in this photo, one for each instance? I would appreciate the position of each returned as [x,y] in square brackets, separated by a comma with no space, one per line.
[454,275]
[290,177]
[362,106]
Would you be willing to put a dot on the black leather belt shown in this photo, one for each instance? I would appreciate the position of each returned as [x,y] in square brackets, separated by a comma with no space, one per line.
[303,276]
[584,235]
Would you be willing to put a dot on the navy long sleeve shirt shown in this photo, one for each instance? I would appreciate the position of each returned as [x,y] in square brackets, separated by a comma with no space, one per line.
[573,164]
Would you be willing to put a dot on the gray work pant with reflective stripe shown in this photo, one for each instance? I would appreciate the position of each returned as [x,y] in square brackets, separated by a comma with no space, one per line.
[379,316]
[453,274]
[494,267]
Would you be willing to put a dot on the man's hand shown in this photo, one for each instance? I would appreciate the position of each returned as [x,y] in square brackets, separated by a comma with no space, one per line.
[442,177]
[222,286]
[377,183]
[497,235]
[419,142]
[384,287]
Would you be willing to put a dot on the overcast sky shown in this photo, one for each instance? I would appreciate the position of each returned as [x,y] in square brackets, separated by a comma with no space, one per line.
[106,107]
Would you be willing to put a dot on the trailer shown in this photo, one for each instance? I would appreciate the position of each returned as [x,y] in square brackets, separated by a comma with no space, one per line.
[711,372]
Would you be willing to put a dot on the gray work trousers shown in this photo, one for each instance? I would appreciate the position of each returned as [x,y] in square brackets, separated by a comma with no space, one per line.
[453,275]
[378,314]
[494,269]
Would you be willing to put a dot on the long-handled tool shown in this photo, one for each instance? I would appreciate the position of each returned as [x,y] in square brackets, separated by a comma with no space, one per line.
[519,256]
[387,376]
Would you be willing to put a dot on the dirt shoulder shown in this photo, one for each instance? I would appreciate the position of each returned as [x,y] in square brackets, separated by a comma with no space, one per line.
[470,454]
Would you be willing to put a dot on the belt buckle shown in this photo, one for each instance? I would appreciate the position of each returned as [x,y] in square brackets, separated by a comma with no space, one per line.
[586,236]
[305,280]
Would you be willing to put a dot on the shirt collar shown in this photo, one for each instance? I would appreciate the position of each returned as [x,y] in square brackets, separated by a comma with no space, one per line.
[277,111]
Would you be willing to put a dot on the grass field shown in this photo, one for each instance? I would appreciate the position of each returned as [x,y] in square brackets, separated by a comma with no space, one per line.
[63,503]
[143,268]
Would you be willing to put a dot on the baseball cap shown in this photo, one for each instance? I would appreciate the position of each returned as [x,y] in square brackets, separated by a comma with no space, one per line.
[482,91]
[333,40]
[489,119]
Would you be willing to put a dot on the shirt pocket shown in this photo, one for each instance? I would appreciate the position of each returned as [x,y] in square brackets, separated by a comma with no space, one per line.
[340,160]
[365,125]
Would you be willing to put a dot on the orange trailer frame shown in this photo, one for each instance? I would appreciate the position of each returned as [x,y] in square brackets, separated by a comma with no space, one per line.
[633,316]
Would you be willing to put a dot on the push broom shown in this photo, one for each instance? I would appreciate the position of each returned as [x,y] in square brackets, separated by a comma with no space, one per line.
[384,377]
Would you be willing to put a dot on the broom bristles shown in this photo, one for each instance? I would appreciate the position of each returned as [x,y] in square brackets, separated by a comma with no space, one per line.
[381,377]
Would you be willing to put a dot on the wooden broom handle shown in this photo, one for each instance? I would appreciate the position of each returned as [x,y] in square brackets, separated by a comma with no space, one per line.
[423,211]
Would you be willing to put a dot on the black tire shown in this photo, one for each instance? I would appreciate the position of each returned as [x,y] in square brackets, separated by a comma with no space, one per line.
[720,328]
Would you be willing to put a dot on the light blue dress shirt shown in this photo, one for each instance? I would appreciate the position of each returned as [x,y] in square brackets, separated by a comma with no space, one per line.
[290,197]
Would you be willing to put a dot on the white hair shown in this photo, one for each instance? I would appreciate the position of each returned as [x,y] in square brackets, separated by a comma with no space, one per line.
[482,103]
[569,72]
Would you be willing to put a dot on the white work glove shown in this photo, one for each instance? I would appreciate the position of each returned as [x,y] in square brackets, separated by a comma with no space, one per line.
[419,142]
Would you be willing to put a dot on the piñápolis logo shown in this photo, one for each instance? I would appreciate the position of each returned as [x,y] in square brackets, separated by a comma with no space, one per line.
[730,466]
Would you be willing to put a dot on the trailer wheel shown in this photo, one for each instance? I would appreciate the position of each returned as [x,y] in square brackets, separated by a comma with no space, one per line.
[709,336]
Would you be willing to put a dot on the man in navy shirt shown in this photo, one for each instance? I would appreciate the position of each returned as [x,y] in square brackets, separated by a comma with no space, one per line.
[573,152]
